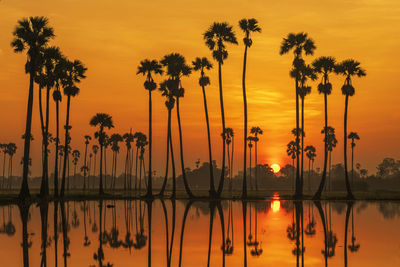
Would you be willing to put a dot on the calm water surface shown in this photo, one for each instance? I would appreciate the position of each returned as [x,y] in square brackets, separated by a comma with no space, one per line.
[227,233]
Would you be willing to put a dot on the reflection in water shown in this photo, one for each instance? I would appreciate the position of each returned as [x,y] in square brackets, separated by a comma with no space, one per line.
[145,233]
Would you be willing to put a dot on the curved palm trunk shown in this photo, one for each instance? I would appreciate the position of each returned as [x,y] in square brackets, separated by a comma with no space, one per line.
[4,169]
[322,217]
[185,182]
[187,208]
[229,167]
[149,193]
[221,101]
[126,169]
[167,160]
[24,192]
[244,189]
[105,168]
[352,163]
[212,186]
[222,222]
[323,179]
[348,187]
[66,142]
[56,151]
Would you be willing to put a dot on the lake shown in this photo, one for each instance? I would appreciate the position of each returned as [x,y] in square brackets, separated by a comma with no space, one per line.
[178,233]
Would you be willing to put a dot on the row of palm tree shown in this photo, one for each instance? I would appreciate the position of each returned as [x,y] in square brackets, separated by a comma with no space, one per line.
[9,150]
[300,44]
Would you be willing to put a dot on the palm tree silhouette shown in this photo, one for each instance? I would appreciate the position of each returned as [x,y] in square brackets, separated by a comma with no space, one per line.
[251,139]
[46,78]
[229,139]
[76,154]
[115,139]
[331,143]
[141,142]
[324,66]
[177,68]
[185,213]
[353,247]
[216,38]
[95,149]
[349,209]
[248,26]
[349,68]
[75,71]
[24,213]
[203,64]
[149,67]
[299,43]
[256,131]
[3,147]
[106,144]
[103,121]
[87,141]
[293,152]
[11,150]
[44,212]
[31,34]
[353,136]
[129,138]
[310,153]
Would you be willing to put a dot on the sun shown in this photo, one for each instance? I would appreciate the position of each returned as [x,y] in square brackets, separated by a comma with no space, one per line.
[275,167]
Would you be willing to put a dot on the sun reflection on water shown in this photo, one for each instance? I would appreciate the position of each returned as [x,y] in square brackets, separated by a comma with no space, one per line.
[276,203]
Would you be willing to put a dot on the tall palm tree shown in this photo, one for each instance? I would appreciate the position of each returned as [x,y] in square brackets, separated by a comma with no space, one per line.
[331,144]
[177,68]
[103,121]
[46,76]
[141,142]
[353,136]
[75,72]
[324,66]
[203,64]
[310,153]
[229,139]
[349,68]
[32,35]
[299,43]
[87,141]
[115,139]
[256,131]
[167,90]
[76,154]
[250,140]
[148,68]
[302,73]
[216,38]
[248,26]
[95,149]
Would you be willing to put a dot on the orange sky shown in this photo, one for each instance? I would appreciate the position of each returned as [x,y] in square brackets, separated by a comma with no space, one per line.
[111,38]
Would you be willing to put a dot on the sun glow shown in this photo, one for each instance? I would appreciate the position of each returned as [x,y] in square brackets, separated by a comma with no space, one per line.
[275,204]
[275,167]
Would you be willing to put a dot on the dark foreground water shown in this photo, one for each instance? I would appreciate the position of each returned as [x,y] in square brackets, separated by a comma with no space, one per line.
[180,233]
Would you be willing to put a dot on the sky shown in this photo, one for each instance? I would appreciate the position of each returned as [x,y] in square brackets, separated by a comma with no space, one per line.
[112,37]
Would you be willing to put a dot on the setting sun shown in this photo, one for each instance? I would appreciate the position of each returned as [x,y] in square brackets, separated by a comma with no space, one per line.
[275,167]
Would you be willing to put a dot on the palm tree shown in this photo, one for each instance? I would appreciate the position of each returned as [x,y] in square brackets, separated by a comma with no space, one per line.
[115,139]
[149,67]
[95,149]
[310,153]
[75,71]
[299,43]
[293,152]
[129,138]
[248,26]
[229,139]
[46,77]
[106,144]
[250,139]
[31,34]
[203,64]
[3,147]
[302,73]
[331,143]
[216,38]
[167,90]
[87,141]
[256,131]
[76,154]
[141,142]
[103,121]
[11,150]
[349,68]
[324,66]
[177,68]
[353,136]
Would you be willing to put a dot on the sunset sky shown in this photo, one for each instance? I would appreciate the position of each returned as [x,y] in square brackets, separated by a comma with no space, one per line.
[111,37]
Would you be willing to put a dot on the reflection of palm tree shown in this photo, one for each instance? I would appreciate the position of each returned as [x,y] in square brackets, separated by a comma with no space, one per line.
[310,227]
[86,241]
[348,68]
[354,247]
[32,35]
[247,26]
[216,38]
[244,214]
[169,243]
[229,241]
[187,208]
[44,212]
[299,43]
[349,209]
[324,66]
[257,249]
[149,67]
[24,213]
[140,237]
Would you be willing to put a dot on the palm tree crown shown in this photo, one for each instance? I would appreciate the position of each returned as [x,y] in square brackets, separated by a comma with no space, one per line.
[216,36]
[324,66]
[248,26]
[202,64]
[147,67]
[298,42]
[349,68]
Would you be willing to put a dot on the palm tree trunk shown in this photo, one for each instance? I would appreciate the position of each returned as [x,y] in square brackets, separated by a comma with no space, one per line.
[149,187]
[298,192]
[210,233]
[302,145]
[323,179]
[185,182]
[349,193]
[56,151]
[55,233]
[94,170]
[136,168]
[24,212]
[233,145]
[352,163]
[173,168]
[24,192]
[42,184]
[229,167]
[255,164]
[251,182]
[212,186]
[244,189]
[221,99]
[149,207]
[66,142]
[167,159]
[101,192]
[105,168]
[4,169]
[84,169]
[126,169]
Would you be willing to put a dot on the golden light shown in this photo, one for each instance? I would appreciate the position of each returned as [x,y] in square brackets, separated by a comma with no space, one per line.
[275,168]
[276,203]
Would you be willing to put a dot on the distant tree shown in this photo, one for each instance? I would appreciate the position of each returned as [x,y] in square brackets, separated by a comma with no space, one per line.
[353,136]
[256,131]
[85,170]
[310,153]
[76,154]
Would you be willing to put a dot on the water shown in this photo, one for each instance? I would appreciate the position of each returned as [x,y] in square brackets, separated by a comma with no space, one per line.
[373,234]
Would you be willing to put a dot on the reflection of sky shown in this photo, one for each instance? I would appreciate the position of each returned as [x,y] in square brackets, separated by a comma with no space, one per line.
[373,232]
